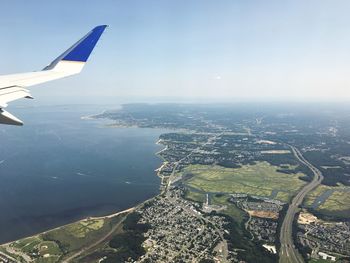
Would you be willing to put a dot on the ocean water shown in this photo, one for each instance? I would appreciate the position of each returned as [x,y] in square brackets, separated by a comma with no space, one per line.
[58,168]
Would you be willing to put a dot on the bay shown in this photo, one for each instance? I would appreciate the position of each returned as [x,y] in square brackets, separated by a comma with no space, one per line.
[58,168]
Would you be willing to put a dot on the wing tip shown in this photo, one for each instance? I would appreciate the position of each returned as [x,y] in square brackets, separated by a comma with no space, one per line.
[81,50]
[101,27]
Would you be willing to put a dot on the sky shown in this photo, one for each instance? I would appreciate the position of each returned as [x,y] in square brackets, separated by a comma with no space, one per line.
[184,50]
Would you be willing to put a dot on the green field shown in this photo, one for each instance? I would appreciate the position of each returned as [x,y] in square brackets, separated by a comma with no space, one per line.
[194,196]
[36,248]
[56,244]
[231,210]
[310,198]
[337,204]
[260,179]
[83,228]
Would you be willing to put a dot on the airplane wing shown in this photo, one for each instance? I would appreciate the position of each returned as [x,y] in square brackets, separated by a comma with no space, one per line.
[71,62]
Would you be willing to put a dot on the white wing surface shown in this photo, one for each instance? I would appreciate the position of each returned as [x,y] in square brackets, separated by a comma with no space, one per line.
[71,62]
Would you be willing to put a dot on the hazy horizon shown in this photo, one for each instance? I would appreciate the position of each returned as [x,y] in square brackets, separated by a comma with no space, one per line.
[47,100]
[188,50]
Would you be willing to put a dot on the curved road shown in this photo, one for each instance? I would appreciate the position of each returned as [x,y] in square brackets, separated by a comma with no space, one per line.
[288,253]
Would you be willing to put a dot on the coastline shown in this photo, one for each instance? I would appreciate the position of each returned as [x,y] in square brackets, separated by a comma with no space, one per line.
[114,214]
[83,219]
[125,211]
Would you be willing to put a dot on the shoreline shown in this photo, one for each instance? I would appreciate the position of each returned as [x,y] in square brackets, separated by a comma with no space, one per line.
[127,210]
[80,220]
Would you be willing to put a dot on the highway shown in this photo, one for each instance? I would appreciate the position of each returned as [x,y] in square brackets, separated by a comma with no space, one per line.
[288,253]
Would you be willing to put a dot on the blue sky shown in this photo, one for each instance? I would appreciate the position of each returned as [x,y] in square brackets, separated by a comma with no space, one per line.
[208,50]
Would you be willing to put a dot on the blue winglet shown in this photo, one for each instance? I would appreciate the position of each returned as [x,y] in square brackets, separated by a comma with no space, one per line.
[82,49]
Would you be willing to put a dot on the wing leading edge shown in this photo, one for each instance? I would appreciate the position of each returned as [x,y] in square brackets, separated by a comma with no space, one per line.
[71,62]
